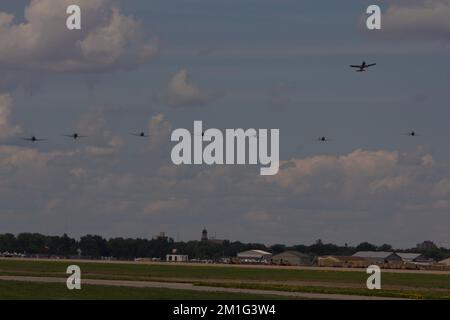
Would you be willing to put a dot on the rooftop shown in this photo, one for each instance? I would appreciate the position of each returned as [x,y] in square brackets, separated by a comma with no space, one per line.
[295,253]
[408,256]
[373,254]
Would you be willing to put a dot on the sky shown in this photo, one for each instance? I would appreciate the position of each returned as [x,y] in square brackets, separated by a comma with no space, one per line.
[155,66]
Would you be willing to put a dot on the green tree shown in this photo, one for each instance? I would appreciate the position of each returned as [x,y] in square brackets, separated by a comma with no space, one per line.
[94,246]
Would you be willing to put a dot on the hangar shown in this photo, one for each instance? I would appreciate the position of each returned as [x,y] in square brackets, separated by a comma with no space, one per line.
[292,258]
[254,256]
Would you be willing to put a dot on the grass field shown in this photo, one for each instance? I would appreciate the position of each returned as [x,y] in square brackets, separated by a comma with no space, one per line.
[403,294]
[403,285]
[12,290]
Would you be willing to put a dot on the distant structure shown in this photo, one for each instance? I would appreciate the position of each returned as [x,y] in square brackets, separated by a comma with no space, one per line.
[445,262]
[426,245]
[254,256]
[342,262]
[204,235]
[292,258]
[205,238]
[175,257]
[161,236]
[378,256]
[217,241]
[387,257]
[414,258]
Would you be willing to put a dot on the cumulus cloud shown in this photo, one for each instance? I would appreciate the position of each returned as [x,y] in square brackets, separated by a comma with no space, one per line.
[7,130]
[427,19]
[182,93]
[334,197]
[357,173]
[104,141]
[11,156]
[322,196]
[159,131]
[108,40]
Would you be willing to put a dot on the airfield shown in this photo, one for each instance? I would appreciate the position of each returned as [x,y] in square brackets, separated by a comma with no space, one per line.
[46,279]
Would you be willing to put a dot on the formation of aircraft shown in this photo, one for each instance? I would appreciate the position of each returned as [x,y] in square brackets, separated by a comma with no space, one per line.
[410,134]
[363,66]
[142,134]
[76,136]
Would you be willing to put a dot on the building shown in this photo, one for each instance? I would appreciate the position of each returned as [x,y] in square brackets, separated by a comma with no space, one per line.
[426,245]
[254,256]
[292,258]
[414,258]
[176,257]
[445,262]
[204,235]
[161,236]
[205,238]
[342,262]
[378,256]
[217,241]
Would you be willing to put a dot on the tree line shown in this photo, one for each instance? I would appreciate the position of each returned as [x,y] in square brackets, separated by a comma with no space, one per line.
[94,246]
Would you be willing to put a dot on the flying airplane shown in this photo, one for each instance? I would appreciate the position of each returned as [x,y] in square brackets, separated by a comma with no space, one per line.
[140,134]
[412,134]
[363,66]
[74,136]
[323,139]
[33,139]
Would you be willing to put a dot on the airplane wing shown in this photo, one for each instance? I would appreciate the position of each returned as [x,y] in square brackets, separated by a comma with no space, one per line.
[68,135]
[82,136]
[409,134]
[139,135]
[371,65]
[27,139]
[355,66]
[41,140]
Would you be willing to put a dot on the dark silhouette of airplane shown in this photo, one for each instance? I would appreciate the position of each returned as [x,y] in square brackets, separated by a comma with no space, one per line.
[74,136]
[323,139]
[33,139]
[363,66]
[412,134]
[140,134]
